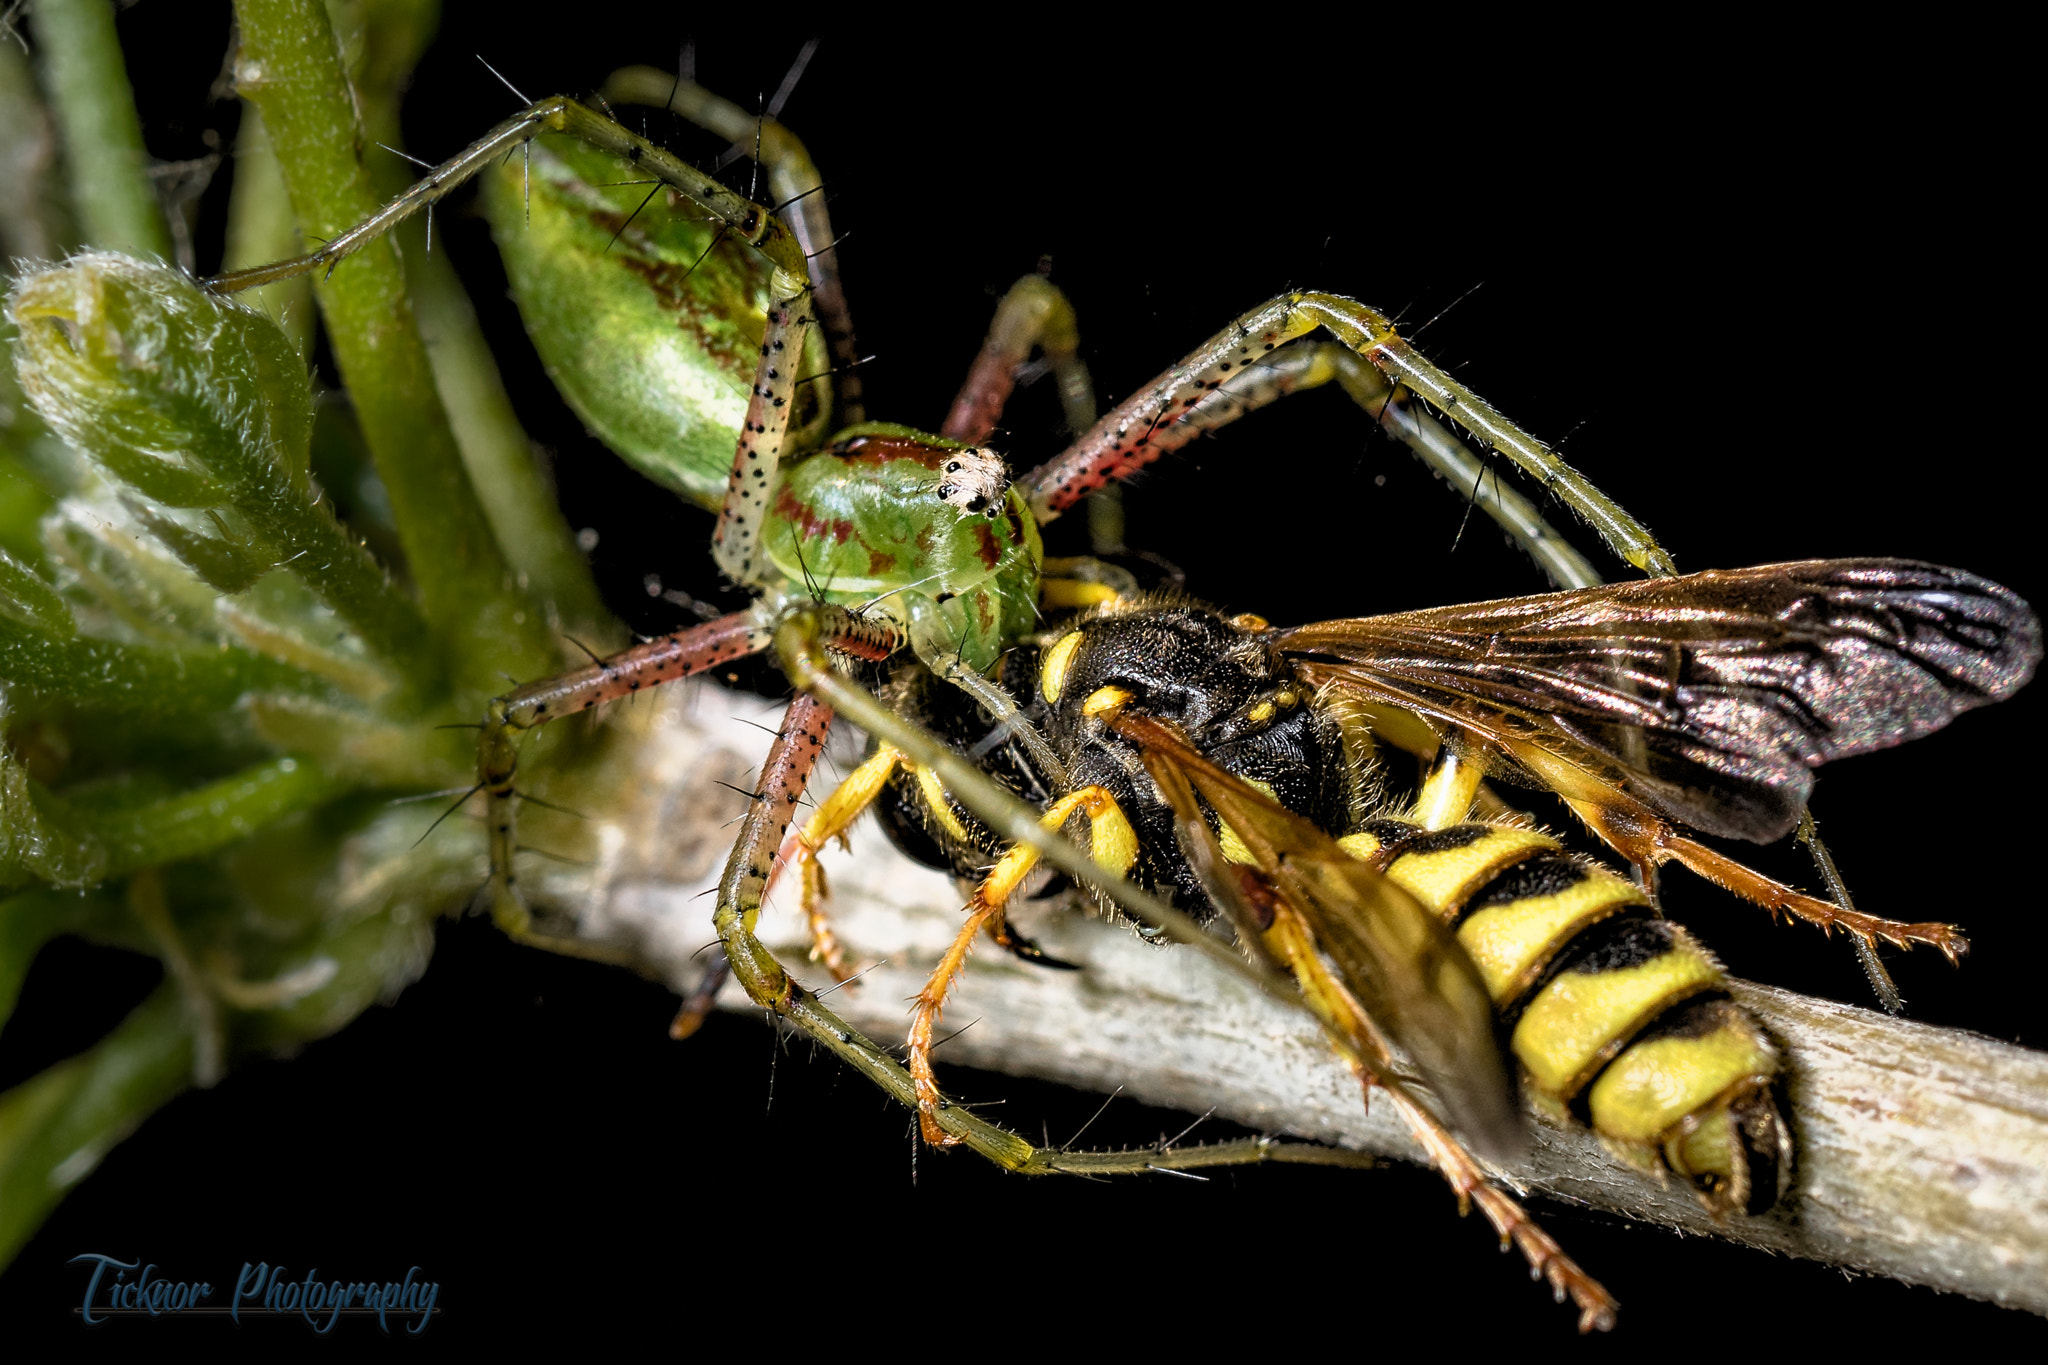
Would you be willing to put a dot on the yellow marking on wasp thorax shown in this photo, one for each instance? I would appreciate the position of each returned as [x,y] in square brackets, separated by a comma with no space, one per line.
[1285,698]
[1074,592]
[1511,943]
[1444,880]
[1248,621]
[1657,1084]
[1261,713]
[1052,673]
[1234,847]
[935,801]
[1104,699]
[1580,1019]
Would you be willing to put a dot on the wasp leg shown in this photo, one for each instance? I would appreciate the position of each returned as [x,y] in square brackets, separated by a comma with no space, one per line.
[1292,943]
[1114,847]
[1881,982]
[799,644]
[834,816]
[767,983]
[1649,841]
[1449,791]
[1155,419]
[794,186]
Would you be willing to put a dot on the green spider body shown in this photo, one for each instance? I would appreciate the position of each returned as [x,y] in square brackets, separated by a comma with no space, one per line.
[864,521]
[648,321]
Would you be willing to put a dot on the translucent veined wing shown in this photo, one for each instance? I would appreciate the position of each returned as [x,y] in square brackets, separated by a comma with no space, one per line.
[1398,962]
[1709,697]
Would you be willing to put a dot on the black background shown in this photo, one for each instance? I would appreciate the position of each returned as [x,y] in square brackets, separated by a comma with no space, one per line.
[1757,280]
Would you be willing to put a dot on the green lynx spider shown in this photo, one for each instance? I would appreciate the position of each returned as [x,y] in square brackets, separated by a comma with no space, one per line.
[776,534]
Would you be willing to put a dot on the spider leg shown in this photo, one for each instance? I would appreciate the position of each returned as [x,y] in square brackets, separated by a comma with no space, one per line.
[1308,363]
[794,186]
[785,771]
[1035,313]
[625,674]
[1155,419]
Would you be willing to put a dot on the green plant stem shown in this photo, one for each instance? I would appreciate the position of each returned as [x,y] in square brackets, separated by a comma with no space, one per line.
[31,220]
[88,89]
[515,493]
[142,678]
[261,229]
[290,70]
[208,817]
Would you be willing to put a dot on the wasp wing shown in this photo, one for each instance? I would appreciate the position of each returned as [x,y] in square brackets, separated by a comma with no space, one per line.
[1399,962]
[1710,697]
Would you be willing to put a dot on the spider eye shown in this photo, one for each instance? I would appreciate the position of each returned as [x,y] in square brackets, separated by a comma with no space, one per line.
[953,467]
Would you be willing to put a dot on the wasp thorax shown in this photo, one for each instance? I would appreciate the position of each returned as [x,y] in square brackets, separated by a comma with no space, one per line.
[974,479]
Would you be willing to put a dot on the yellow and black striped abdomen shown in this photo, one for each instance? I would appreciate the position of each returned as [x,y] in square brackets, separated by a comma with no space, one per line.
[1616,1014]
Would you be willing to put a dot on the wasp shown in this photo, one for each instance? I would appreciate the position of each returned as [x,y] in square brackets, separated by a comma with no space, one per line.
[1237,769]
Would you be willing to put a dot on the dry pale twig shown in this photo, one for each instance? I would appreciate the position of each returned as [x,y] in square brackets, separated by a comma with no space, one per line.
[1922,1152]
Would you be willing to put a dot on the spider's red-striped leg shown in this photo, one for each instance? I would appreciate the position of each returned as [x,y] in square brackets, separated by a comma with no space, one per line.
[1036,315]
[801,641]
[625,674]
[1169,412]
